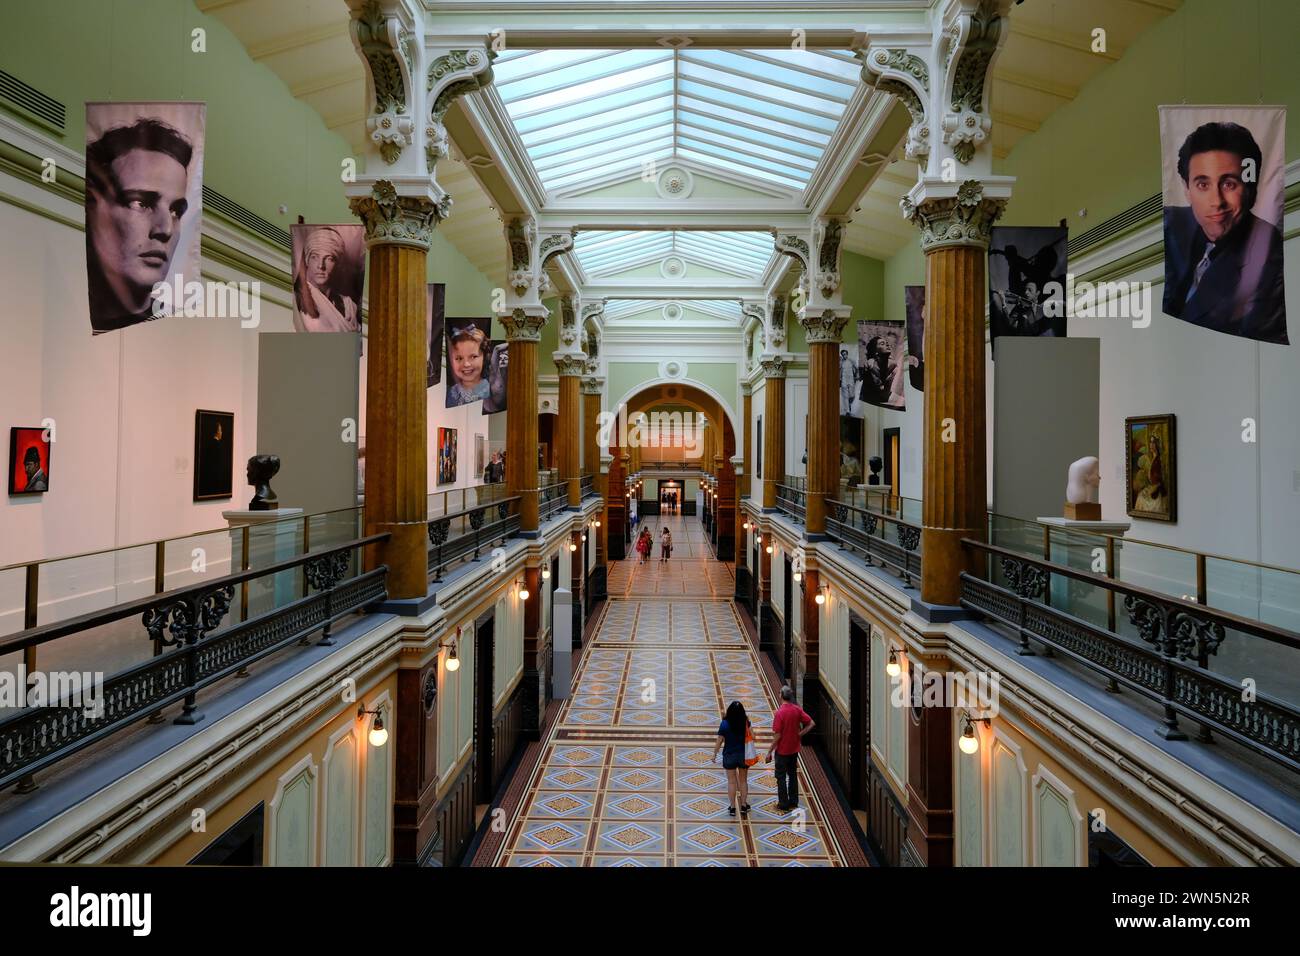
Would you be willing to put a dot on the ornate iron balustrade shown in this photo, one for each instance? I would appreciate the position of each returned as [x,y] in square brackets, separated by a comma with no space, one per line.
[458,535]
[1170,664]
[185,623]
[552,498]
[587,484]
[792,501]
[868,532]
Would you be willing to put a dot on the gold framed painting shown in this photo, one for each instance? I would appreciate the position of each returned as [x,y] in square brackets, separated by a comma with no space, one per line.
[1151,468]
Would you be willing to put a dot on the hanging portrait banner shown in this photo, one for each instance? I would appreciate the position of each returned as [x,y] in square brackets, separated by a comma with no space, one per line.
[881,363]
[144,205]
[329,274]
[1224,181]
[849,382]
[914,304]
[498,363]
[1027,266]
[435,299]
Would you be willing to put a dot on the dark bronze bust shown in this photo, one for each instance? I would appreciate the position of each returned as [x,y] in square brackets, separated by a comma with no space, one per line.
[875,463]
[261,469]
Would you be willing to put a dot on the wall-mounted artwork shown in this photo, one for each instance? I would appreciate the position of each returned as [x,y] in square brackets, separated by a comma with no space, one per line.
[758,461]
[1223,190]
[1027,281]
[475,365]
[144,202]
[851,449]
[214,455]
[881,363]
[1150,467]
[914,305]
[446,456]
[329,274]
[29,461]
[480,456]
[434,304]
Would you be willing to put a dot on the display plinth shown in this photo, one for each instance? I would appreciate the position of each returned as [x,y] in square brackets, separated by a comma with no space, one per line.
[272,536]
[1084,511]
[1096,527]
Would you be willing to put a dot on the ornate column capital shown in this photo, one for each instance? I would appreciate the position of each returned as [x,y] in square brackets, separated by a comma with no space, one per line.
[738,463]
[606,460]
[592,385]
[746,389]
[524,324]
[393,219]
[949,214]
[945,83]
[569,363]
[825,325]
[774,366]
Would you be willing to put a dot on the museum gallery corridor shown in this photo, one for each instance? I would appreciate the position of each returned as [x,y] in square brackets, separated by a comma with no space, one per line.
[625,775]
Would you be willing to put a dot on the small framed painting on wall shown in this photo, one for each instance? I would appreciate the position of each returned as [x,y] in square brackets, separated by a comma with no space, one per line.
[214,455]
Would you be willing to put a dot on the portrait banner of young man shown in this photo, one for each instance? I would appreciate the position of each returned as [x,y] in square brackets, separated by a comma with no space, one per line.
[144,203]
[1027,267]
[1223,187]
[329,274]
[881,363]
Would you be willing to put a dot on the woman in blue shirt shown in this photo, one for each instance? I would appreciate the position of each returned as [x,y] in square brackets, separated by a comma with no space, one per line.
[731,742]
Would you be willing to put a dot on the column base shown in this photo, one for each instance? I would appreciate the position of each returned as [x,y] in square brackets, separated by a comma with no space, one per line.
[407,555]
[943,559]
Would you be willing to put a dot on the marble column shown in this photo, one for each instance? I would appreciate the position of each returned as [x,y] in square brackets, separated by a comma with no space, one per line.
[824,329]
[399,229]
[774,367]
[569,367]
[523,328]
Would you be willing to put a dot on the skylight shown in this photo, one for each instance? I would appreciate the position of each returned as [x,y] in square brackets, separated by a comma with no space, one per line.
[765,115]
[652,309]
[606,253]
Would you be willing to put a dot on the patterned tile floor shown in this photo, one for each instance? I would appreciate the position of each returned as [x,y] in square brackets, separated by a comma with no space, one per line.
[626,776]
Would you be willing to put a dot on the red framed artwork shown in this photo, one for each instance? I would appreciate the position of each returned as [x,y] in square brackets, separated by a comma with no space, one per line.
[29,461]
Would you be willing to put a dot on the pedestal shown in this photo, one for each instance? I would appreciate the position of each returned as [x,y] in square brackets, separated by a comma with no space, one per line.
[1096,527]
[259,539]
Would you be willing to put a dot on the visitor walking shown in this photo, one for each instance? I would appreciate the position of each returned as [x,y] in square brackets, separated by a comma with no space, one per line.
[665,544]
[736,742]
[789,724]
[643,544]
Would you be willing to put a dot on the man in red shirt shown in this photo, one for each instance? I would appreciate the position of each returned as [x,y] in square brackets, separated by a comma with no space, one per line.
[789,724]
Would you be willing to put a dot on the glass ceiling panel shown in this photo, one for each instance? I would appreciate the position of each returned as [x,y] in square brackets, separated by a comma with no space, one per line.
[589,116]
[745,254]
[726,309]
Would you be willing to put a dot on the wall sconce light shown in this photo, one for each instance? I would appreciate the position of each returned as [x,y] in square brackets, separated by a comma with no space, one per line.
[523,593]
[453,662]
[758,538]
[572,546]
[821,594]
[892,667]
[798,577]
[769,549]
[378,732]
[745,525]
[546,572]
[969,742]
[597,524]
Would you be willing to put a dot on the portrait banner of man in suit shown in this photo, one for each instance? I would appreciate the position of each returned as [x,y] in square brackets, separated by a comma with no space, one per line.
[1223,186]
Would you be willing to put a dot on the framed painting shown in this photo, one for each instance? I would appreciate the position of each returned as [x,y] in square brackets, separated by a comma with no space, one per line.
[480,456]
[446,456]
[214,455]
[1151,468]
[29,461]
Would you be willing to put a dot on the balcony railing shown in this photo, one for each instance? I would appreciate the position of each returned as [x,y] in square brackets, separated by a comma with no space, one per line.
[463,534]
[792,501]
[587,485]
[552,498]
[183,627]
[1161,648]
[869,533]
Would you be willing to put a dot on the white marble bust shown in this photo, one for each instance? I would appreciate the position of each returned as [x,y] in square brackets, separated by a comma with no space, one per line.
[1083,482]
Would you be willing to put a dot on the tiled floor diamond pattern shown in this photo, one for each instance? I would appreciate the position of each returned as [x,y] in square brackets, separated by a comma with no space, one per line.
[626,777]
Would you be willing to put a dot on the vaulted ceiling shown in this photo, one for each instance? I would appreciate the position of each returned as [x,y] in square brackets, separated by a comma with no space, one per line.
[756,116]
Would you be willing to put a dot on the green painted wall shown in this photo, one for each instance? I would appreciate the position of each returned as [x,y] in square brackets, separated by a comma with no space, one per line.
[263,148]
[1102,151]
[622,377]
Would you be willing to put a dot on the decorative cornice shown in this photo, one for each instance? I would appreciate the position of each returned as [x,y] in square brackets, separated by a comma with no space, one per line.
[391,219]
[523,325]
[961,220]
[592,385]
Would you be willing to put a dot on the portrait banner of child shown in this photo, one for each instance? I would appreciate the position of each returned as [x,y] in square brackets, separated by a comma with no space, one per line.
[476,364]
